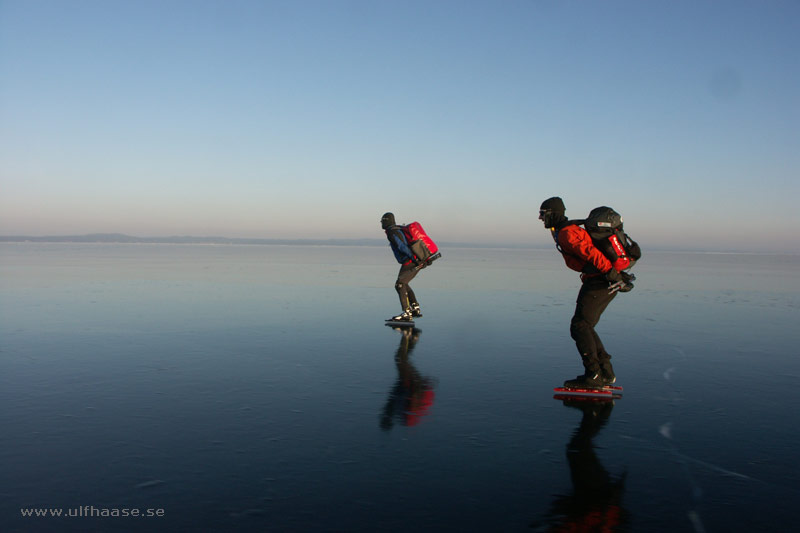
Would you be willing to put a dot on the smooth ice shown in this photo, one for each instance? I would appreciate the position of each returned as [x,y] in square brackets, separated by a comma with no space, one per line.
[256,388]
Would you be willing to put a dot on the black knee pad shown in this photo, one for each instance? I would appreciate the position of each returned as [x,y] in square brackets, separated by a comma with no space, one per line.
[399,286]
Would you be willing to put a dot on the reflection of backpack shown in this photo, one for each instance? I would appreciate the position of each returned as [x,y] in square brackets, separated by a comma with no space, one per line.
[421,245]
[604,226]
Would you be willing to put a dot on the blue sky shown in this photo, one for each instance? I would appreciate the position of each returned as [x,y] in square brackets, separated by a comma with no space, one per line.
[309,119]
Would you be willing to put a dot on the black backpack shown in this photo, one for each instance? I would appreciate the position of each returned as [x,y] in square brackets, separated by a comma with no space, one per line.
[602,224]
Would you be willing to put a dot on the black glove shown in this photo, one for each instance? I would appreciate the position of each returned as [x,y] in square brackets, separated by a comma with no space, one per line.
[613,275]
[627,279]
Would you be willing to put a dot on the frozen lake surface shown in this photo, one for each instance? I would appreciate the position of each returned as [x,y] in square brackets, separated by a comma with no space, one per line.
[256,388]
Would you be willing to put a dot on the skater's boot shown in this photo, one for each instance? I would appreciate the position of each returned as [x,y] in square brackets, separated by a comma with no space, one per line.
[607,373]
[405,316]
[415,310]
[590,380]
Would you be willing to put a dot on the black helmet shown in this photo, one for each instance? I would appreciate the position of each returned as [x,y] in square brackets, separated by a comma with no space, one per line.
[552,211]
[387,220]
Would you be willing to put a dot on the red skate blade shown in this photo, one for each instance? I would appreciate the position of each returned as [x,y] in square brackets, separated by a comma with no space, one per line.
[605,392]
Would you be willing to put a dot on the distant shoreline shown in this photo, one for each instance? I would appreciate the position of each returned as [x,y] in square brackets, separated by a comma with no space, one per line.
[118,238]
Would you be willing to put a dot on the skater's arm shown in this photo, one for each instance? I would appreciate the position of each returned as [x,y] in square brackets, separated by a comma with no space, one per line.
[579,244]
[401,250]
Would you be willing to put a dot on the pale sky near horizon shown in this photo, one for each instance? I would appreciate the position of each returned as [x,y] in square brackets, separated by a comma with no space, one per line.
[310,119]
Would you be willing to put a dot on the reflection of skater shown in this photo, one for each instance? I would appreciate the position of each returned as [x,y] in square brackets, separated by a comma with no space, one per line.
[408,269]
[412,395]
[596,500]
[581,255]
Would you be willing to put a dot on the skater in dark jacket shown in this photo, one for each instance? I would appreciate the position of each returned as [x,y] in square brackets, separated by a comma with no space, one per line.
[597,272]
[408,269]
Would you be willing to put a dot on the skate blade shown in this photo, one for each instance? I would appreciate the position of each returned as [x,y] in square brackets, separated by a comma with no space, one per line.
[400,323]
[605,392]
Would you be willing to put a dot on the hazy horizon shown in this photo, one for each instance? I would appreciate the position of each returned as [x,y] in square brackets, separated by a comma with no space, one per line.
[309,120]
[109,238]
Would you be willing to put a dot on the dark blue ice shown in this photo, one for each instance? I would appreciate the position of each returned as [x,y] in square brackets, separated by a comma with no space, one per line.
[256,388]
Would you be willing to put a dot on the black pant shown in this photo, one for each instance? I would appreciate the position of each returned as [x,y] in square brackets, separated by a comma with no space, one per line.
[406,274]
[593,299]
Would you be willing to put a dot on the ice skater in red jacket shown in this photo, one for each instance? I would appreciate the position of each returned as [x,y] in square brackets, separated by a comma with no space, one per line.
[596,270]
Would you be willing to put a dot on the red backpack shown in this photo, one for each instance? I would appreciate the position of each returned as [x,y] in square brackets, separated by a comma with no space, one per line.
[420,243]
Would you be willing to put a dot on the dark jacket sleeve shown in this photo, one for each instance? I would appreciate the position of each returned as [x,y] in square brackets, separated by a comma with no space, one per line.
[397,241]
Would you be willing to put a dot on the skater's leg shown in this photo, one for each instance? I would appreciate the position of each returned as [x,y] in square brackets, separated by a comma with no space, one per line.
[604,358]
[412,299]
[593,299]
[404,292]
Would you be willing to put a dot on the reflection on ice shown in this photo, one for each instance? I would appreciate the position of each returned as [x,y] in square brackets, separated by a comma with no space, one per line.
[595,503]
[412,395]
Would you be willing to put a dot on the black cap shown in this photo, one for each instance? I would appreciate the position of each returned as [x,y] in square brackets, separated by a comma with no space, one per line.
[387,220]
[552,212]
[554,205]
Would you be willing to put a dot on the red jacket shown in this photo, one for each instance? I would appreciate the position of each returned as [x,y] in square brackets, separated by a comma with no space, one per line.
[576,246]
